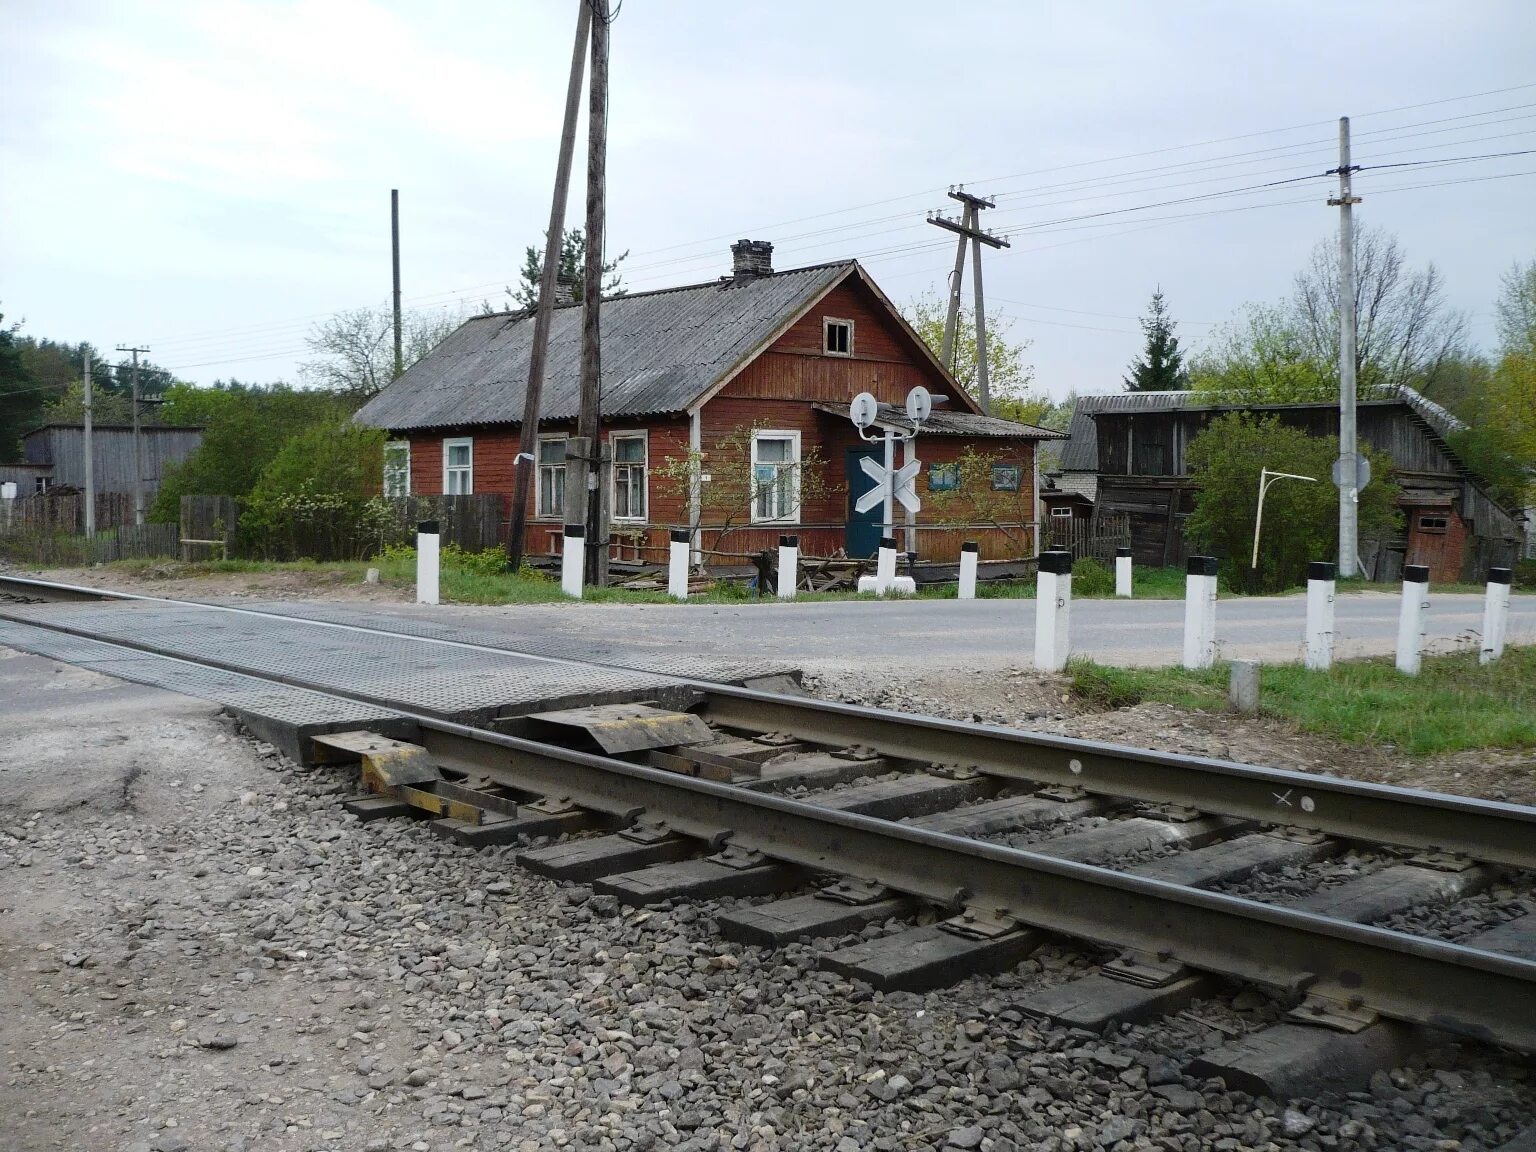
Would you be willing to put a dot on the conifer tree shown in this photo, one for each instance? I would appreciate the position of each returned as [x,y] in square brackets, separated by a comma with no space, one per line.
[1160,368]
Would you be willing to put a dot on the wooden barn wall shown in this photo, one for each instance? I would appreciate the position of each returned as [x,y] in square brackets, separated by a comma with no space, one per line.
[112,451]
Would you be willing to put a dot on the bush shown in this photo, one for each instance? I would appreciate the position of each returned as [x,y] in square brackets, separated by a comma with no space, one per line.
[1090,578]
[318,497]
[1524,576]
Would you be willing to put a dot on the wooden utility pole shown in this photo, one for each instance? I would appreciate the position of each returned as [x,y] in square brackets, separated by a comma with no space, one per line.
[138,448]
[594,492]
[968,228]
[526,463]
[90,452]
[1348,465]
[394,244]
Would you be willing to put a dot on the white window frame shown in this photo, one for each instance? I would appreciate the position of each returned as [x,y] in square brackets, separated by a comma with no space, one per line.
[469,470]
[539,511]
[792,516]
[1061,512]
[644,437]
[395,445]
[826,328]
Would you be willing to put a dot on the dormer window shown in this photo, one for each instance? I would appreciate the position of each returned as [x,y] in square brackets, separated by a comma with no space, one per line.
[837,336]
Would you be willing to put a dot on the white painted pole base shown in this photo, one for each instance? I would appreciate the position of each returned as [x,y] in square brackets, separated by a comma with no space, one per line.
[1410,621]
[1053,611]
[677,565]
[789,561]
[970,552]
[885,566]
[428,555]
[1320,592]
[1123,572]
[1495,615]
[573,554]
[1200,612]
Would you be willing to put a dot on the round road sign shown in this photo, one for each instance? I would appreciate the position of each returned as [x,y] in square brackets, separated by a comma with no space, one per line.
[863,410]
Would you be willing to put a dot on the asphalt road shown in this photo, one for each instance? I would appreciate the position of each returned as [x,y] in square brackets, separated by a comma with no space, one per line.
[849,635]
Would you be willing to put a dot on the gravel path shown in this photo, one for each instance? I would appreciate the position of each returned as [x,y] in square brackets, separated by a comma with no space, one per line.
[201,951]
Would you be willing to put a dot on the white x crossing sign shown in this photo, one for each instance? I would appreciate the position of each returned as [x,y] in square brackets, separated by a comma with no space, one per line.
[905,488]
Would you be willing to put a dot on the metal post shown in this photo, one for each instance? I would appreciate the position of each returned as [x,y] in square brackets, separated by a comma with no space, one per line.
[394,244]
[573,555]
[677,565]
[969,554]
[1053,611]
[1320,593]
[554,243]
[1266,478]
[888,512]
[956,278]
[1123,563]
[1495,615]
[908,454]
[90,454]
[427,561]
[789,560]
[1349,493]
[1200,612]
[1410,620]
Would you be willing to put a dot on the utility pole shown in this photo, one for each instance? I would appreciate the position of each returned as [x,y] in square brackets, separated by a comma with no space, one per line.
[138,448]
[90,453]
[528,441]
[1348,467]
[394,238]
[589,423]
[968,228]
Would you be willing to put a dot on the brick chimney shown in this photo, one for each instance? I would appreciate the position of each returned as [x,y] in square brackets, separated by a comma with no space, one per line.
[751,258]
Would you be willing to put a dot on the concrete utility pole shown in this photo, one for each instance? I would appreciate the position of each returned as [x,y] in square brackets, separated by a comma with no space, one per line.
[968,228]
[394,243]
[90,454]
[1349,489]
[554,241]
[593,501]
[138,448]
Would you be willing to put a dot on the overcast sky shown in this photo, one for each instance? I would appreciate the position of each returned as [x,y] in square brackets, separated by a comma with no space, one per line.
[210,179]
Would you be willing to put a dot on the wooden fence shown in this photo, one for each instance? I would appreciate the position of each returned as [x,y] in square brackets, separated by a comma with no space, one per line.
[208,526]
[475,523]
[76,550]
[1095,539]
[63,512]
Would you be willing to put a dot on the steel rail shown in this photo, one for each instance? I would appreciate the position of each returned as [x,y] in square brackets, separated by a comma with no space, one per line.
[1484,830]
[1483,995]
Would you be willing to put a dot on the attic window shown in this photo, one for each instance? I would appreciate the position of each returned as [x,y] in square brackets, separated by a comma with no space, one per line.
[1434,523]
[837,336]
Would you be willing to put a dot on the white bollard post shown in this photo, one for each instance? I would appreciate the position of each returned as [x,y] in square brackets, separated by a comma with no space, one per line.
[1123,572]
[1410,620]
[885,566]
[1200,612]
[1495,615]
[970,552]
[427,559]
[1053,611]
[1320,592]
[573,554]
[677,565]
[789,560]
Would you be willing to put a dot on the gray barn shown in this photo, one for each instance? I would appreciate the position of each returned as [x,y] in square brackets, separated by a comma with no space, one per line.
[53,456]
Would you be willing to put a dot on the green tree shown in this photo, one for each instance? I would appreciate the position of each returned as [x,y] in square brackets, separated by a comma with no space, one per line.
[1161,365]
[19,400]
[107,407]
[572,271]
[1300,518]
[244,427]
[1262,358]
[1515,309]
[1010,378]
[316,496]
[354,351]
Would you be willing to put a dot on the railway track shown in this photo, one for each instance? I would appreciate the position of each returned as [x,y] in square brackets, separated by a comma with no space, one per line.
[1180,874]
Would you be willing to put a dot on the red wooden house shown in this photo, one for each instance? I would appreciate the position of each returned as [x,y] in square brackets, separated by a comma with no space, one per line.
[744,382]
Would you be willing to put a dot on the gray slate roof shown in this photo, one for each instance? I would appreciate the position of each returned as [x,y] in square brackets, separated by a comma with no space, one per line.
[1081,452]
[661,351]
[944,422]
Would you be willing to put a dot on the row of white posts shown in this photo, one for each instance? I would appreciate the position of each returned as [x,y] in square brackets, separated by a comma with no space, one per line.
[1053,596]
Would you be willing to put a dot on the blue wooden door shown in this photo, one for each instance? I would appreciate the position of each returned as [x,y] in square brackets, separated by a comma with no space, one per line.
[864,528]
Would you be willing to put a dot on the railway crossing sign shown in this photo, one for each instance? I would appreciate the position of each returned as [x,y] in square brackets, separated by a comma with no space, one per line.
[902,481]
[1362,472]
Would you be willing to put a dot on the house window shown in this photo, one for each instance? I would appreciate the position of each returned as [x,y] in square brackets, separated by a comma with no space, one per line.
[943,477]
[458,467]
[42,484]
[629,476]
[397,468]
[775,476]
[1061,513]
[551,502]
[1434,523]
[837,336]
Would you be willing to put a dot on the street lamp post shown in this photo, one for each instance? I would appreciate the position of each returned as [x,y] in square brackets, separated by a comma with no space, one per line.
[1266,478]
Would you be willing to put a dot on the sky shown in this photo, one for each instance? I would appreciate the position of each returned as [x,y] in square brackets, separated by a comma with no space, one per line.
[211,180]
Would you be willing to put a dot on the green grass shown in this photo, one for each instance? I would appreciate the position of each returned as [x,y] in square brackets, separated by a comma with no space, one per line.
[1454,703]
